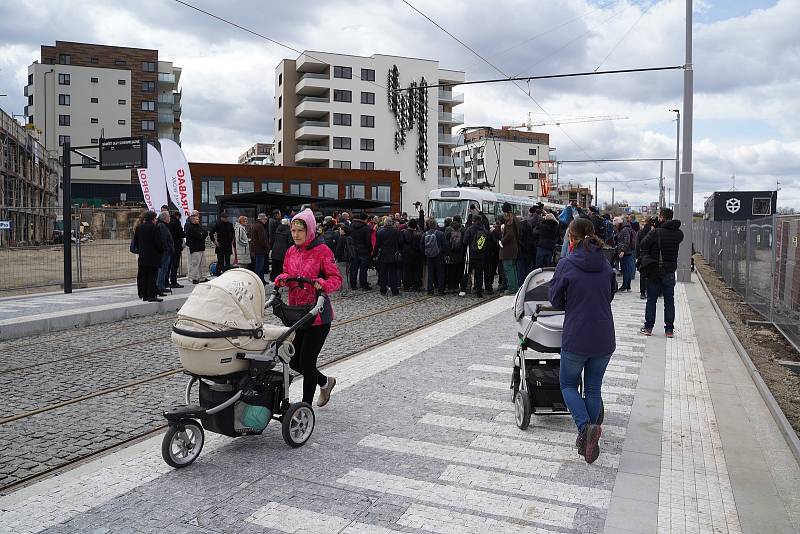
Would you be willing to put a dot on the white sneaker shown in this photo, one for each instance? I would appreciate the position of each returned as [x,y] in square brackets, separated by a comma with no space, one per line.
[462,294]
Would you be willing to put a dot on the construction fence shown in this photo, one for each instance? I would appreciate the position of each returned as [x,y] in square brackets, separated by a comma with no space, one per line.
[760,260]
[101,241]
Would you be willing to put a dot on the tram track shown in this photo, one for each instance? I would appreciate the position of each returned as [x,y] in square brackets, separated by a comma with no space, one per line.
[153,431]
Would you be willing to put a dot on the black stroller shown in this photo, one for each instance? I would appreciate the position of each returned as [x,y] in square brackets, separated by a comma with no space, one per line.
[226,348]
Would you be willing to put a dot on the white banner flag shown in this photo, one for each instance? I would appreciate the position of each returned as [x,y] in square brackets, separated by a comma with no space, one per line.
[179,179]
[152,181]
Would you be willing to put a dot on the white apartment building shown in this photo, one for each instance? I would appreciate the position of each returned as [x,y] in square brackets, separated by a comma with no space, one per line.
[333,110]
[169,101]
[258,154]
[506,161]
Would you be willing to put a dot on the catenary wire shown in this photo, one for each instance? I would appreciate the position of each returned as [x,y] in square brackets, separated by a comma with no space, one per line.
[624,36]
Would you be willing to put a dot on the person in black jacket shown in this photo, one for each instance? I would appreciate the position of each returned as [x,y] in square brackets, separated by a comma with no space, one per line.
[147,241]
[387,245]
[223,235]
[282,241]
[362,239]
[412,257]
[659,251]
[169,250]
[598,222]
[177,233]
[196,242]
[476,239]
[648,226]
[548,235]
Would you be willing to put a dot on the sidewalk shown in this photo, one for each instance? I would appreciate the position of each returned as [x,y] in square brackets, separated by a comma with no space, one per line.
[419,437]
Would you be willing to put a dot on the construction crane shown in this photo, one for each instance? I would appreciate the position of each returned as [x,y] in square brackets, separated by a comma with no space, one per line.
[570,120]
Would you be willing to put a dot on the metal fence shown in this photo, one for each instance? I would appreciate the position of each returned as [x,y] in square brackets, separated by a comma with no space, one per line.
[760,260]
[100,251]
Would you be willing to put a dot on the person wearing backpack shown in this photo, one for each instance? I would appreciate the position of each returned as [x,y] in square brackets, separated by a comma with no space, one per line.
[412,257]
[433,246]
[659,262]
[626,245]
[477,241]
[454,264]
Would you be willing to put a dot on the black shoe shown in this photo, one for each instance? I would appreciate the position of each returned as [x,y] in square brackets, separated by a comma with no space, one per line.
[430,293]
[591,436]
[195,282]
[479,295]
[162,294]
[395,293]
[580,443]
[204,280]
[176,285]
[154,299]
[643,296]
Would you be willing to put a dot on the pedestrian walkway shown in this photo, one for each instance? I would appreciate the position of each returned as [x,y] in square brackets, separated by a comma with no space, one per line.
[419,437]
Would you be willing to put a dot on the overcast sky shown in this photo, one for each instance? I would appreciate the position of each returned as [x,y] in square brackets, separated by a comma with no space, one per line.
[746,57]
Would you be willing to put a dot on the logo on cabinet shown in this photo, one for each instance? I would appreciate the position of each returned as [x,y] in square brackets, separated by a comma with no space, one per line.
[733,205]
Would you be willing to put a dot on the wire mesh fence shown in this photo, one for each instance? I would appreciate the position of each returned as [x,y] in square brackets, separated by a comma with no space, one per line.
[100,242]
[760,260]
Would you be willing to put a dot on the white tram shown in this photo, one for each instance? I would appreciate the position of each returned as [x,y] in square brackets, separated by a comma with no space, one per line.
[450,201]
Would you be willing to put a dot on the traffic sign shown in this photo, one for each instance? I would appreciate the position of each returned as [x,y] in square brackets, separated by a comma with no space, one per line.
[5,225]
[123,153]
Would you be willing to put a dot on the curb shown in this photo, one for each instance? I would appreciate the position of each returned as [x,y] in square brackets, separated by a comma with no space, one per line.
[789,435]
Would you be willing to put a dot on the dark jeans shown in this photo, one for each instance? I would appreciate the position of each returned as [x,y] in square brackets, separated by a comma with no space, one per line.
[358,272]
[223,262]
[453,274]
[642,284]
[387,274]
[477,267]
[174,263]
[628,266]
[584,409]
[436,273]
[524,266]
[544,257]
[146,281]
[665,287]
[277,268]
[163,272]
[307,346]
[260,264]
[412,274]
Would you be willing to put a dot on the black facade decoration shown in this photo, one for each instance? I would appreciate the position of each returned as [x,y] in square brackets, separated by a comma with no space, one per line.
[409,108]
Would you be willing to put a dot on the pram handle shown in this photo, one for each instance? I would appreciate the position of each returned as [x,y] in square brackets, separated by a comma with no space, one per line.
[544,308]
[307,318]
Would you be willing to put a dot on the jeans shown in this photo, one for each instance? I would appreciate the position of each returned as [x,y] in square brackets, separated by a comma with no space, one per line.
[524,266]
[436,273]
[412,273]
[477,267]
[358,272]
[307,346]
[664,286]
[260,265]
[163,271]
[174,263]
[628,266]
[544,257]
[387,274]
[223,262]
[584,409]
[510,268]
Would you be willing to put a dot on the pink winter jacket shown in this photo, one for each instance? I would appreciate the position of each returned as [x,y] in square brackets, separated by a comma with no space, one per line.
[315,261]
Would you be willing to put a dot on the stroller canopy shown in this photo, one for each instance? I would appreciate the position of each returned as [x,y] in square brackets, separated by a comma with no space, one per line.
[233,300]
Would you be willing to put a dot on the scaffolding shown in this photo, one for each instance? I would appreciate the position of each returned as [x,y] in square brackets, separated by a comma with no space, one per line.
[29,185]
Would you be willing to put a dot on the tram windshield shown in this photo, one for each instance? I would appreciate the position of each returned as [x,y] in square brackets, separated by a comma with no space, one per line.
[442,209]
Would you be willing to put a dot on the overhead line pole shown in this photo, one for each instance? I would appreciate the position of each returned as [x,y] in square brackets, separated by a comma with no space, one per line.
[686,181]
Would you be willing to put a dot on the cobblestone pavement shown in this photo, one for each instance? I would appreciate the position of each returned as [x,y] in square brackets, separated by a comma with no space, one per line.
[418,437]
[60,367]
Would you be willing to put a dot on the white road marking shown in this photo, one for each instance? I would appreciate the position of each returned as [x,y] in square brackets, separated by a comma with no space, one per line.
[293,520]
[563,453]
[462,455]
[477,402]
[459,497]
[554,422]
[508,346]
[444,521]
[490,369]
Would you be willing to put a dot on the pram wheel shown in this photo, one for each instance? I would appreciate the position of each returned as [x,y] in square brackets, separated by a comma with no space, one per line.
[522,409]
[182,443]
[298,424]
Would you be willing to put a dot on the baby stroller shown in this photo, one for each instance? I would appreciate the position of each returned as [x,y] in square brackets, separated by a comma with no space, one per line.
[534,380]
[225,347]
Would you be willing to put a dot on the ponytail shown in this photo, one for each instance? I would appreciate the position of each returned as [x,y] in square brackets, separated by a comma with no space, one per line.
[582,232]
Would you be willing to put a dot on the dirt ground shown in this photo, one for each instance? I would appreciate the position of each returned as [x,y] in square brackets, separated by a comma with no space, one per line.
[763,343]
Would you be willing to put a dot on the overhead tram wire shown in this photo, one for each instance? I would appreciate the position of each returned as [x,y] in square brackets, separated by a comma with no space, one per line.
[624,36]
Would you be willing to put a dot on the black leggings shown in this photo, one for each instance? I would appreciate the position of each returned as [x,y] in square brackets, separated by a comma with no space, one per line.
[307,346]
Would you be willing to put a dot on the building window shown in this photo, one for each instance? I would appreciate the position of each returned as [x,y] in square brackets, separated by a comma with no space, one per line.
[30,79]
[280,101]
[531,151]
[533,175]
[119,62]
[367,165]
[300,188]
[148,125]
[121,82]
[368,144]
[382,193]
[367,121]
[762,206]
[272,187]
[342,119]
[63,100]
[242,185]
[368,75]
[63,139]
[342,72]
[63,120]
[328,191]
[367,98]
[122,101]
[121,122]
[94,100]
[280,78]
[210,188]
[148,87]
[148,105]
[340,95]
[94,120]
[280,124]
[279,147]
[523,187]
[523,163]
[339,164]
[94,80]
[148,66]
[87,163]
[63,79]
[341,142]
[353,190]
[65,59]
[94,60]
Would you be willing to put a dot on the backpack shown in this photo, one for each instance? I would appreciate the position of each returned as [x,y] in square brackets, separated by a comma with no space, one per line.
[431,245]
[455,240]
[480,244]
[348,249]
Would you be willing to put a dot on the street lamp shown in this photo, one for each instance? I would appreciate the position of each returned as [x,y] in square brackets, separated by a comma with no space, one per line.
[677,151]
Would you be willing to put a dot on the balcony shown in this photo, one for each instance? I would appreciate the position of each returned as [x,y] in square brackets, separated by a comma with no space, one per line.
[166,78]
[448,139]
[306,63]
[451,118]
[27,91]
[166,98]
[166,118]
[447,161]
[449,97]
[313,84]
[311,154]
[312,130]
[312,107]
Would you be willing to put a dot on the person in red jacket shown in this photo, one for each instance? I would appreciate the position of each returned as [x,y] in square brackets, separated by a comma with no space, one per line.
[310,258]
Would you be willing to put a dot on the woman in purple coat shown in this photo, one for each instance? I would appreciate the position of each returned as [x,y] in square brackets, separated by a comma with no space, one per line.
[583,286]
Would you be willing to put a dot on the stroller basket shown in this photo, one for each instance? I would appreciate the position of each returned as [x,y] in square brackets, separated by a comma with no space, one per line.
[289,315]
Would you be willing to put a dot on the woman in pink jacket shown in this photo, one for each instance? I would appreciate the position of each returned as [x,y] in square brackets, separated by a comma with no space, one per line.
[310,258]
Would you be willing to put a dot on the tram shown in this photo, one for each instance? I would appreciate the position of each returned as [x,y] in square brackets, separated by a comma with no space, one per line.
[451,201]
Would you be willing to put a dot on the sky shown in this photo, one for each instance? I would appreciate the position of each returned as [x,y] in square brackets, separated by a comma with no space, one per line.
[746,73]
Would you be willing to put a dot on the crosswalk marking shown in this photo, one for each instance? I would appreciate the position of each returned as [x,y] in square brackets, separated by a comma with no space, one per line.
[293,520]
[462,455]
[506,386]
[460,497]
[563,453]
[442,521]
[490,369]
[535,487]
[508,346]
[554,422]
[478,402]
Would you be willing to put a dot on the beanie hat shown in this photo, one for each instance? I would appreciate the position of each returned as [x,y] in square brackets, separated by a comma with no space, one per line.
[506,207]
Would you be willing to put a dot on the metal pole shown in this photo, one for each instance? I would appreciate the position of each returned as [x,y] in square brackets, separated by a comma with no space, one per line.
[67,214]
[774,242]
[612,197]
[678,153]
[596,195]
[661,186]
[747,265]
[687,178]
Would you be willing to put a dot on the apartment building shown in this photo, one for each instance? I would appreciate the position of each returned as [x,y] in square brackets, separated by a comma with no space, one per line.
[568,193]
[258,154]
[343,111]
[506,161]
[81,92]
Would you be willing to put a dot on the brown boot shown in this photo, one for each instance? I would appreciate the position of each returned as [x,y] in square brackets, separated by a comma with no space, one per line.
[325,392]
